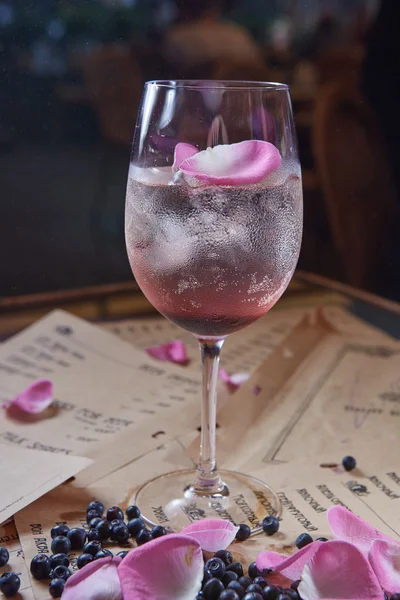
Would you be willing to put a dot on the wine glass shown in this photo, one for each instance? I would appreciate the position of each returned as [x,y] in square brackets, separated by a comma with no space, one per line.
[213,232]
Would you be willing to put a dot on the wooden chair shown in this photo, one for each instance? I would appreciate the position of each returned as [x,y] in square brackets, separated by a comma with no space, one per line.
[356,181]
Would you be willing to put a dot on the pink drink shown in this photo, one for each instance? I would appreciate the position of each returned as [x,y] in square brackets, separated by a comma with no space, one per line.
[213,259]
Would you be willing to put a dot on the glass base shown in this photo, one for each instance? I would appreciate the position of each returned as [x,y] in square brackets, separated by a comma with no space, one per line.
[170,500]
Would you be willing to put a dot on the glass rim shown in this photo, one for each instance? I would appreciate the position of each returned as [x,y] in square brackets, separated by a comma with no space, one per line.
[215,84]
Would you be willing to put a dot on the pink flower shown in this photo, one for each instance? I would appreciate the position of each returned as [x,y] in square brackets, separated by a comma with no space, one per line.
[35,399]
[234,381]
[243,163]
[356,566]
[167,568]
[99,580]
[172,351]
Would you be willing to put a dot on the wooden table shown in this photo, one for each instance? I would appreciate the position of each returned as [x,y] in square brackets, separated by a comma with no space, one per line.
[125,300]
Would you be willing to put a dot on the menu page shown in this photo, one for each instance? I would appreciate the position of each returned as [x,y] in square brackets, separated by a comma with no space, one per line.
[106,392]
[10,540]
[341,392]
[305,489]
[30,474]
[246,349]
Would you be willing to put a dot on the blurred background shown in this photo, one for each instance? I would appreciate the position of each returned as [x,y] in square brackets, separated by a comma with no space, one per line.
[71,76]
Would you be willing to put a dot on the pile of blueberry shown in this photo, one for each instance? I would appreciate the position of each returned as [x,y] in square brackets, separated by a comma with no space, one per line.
[90,543]
[9,582]
[225,580]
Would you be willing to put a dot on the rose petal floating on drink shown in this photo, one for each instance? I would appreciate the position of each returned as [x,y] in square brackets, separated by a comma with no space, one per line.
[35,399]
[244,163]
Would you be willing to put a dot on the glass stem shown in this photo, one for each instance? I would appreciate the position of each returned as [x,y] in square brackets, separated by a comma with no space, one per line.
[208,481]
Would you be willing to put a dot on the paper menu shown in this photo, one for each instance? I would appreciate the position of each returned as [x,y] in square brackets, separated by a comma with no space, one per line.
[103,386]
[339,392]
[28,474]
[246,349]
[306,490]
[10,540]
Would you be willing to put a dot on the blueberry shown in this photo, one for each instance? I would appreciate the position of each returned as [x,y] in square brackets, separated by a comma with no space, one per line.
[115,513]
[261,581]
[228,595]
[96,505]
[40,566]
[77,537]
[59,559]
[158,531]
[104,529]
[95,522]
[243,533]
[212,589]
[206,576]
[224,555]
[120,533]
[143,536]
[92,548]
[321,539]
[56,587]
[245,581]
[253,571]
[132,512]
[61,572]
[349,463]
[123,553]
[271,592]
[254,588]
[303,540]
[103,554]
[295,584]
[9,584]
[283,596]
[4,556]
[84,559]
[115,522]
[93,536]
[290,594]
[216,566]
[92,514]
[253,596]
[236,567]
[59,530]
[236,587]
[134,526]
[270,525]
[228,577]
[61,545]
[395,597]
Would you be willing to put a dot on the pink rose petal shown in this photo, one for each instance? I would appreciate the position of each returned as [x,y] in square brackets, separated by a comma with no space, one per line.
[212,534]
[35,399]
[167,568]
[182,152]
[338,570]
[172,352]
[289,566]
[384,558]
[99,580]
[233,164]
[348,527]
[233,381]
